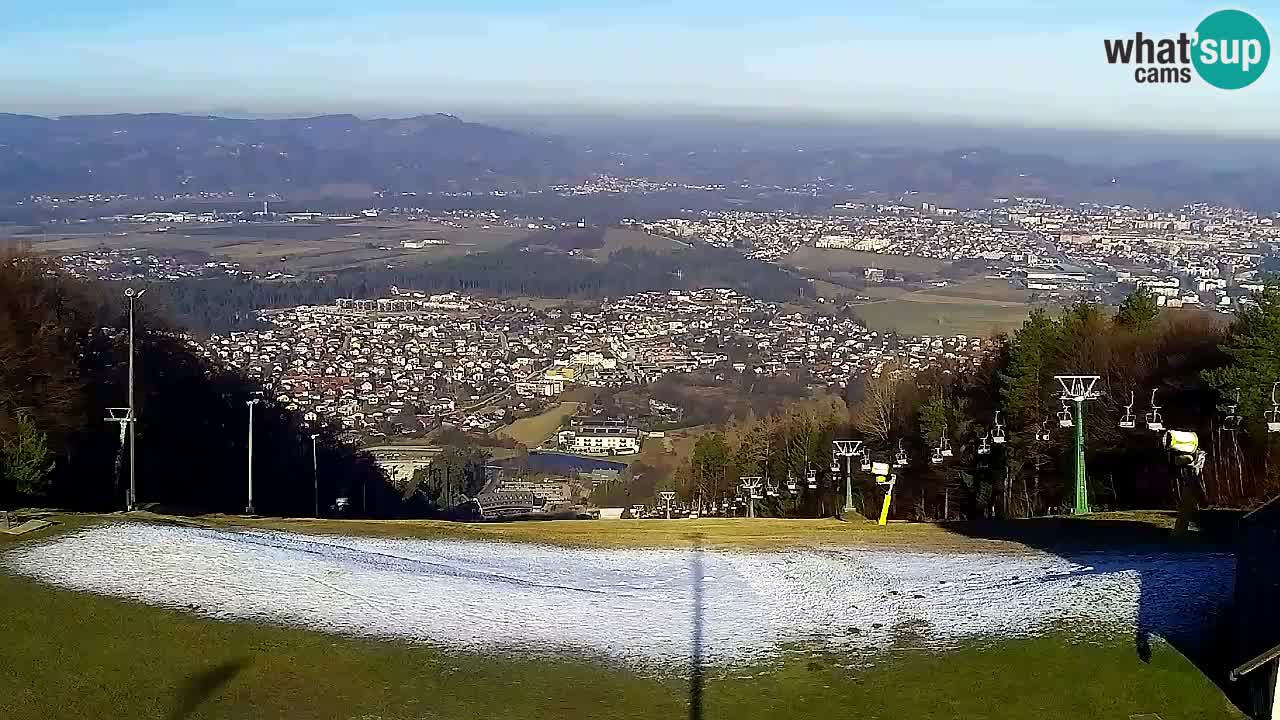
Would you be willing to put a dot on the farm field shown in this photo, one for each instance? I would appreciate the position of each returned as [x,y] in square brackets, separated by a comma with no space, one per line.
[534,430]
[305,247]
[979,307]
[619,238]
[940,315]
[150,620]
[996,289]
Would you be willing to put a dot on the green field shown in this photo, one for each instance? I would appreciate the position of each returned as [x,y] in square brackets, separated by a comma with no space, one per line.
[619,238]
[305,247]
[919,314]
[532,431]
[72,655]
[1097,530]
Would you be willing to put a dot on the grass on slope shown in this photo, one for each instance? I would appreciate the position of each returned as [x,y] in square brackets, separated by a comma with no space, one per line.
[72,655]
[1098,531]
[532,431]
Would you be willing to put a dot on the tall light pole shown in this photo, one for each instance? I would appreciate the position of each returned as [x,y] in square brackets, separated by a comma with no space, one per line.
[250,402]
[315,472]
[131,505]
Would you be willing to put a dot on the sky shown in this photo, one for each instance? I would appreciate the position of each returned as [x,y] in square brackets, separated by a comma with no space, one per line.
[992,62]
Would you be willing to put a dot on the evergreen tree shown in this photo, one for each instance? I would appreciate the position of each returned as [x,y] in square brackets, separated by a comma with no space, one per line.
[26,457]
[1253,349]
[1138,312]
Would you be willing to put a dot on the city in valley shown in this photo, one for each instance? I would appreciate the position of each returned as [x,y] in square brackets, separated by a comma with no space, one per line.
[908,284]
[654,360]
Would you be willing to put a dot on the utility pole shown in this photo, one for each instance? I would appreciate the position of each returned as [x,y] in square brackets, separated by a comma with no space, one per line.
[315,472]
[132,503]
[250,403]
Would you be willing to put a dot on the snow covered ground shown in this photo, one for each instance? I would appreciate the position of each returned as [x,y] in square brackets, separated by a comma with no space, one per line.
[632,605]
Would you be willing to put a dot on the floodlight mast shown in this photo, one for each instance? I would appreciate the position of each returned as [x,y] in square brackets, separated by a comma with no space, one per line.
[132,501]
[847,449]
[1077,389]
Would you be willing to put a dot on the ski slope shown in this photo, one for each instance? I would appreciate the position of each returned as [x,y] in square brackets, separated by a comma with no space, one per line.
[634,606]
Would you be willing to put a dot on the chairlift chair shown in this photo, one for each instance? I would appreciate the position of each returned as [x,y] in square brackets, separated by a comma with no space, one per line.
[1231,420]
[1043,432]
[944,446]
[792,485]
[900,459]
[1127,421]
[997,431]
[866,462]
[936,457]
[1272,416]
[835,465]
[1064,417]
[812,478]
[1155,421]
[985,447]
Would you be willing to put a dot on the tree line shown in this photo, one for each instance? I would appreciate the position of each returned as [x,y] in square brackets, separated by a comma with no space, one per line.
[1209,377]
[64,362]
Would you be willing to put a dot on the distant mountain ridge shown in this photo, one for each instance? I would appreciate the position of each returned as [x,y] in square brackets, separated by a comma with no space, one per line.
[167,153]
[344,155]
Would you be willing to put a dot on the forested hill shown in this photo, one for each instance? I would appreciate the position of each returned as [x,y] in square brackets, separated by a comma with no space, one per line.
[167,153]
[214,305]
[347,156]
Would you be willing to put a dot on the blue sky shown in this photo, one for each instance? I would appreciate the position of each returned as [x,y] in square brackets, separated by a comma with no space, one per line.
[1037,63]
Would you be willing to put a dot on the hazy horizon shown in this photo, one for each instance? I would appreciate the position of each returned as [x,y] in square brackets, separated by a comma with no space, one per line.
[988,63]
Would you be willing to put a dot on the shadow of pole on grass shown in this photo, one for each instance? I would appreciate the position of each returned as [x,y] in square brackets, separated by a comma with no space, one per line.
[696,679]
[203,685]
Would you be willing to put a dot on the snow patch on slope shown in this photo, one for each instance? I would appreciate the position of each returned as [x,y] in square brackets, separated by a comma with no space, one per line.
[630,605]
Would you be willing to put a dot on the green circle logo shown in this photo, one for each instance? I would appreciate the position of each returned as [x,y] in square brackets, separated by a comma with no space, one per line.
[1232,49]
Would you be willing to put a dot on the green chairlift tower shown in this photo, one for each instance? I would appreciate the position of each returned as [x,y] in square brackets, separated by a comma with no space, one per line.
[1077,389]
